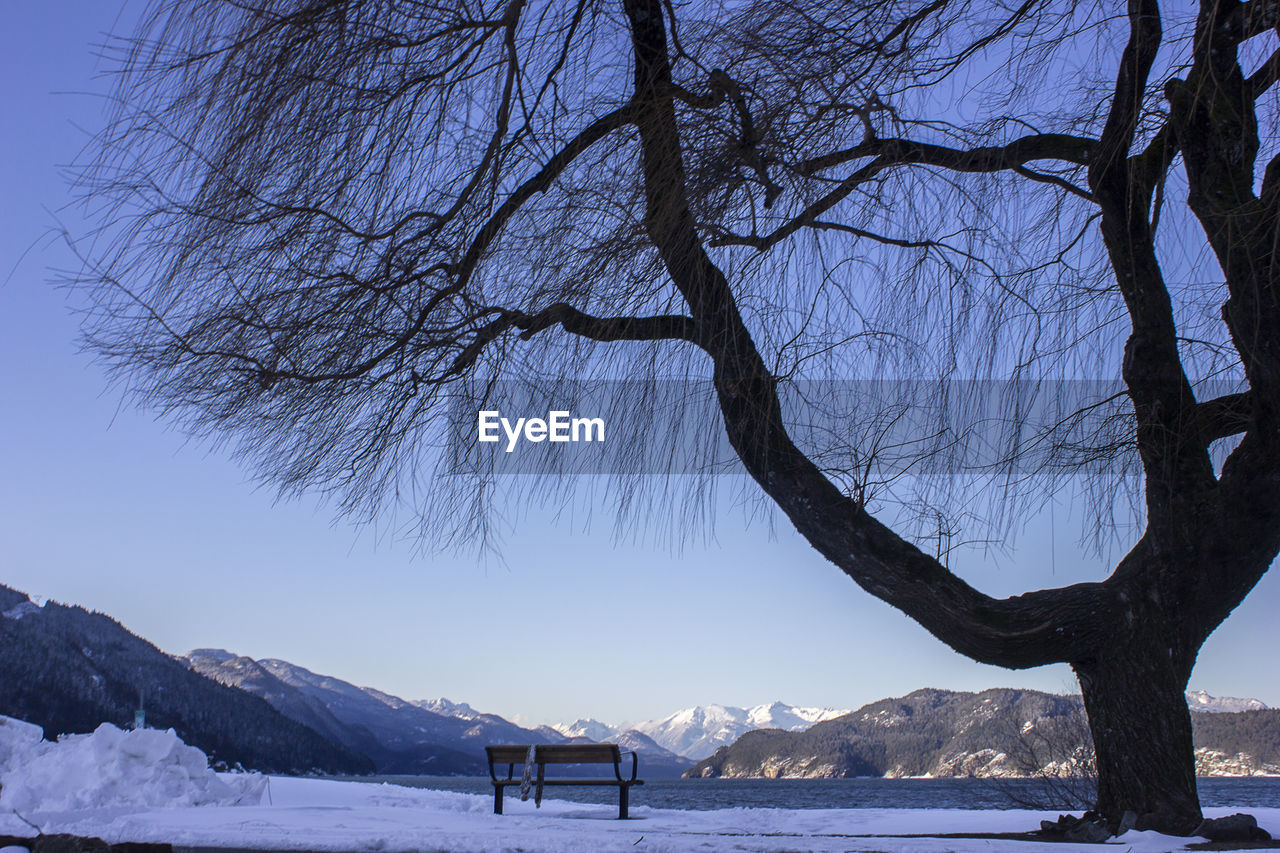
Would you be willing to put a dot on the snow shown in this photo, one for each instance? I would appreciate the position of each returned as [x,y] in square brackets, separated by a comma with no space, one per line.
[322,815]
[18,740]
[111,768]
[443,706]
[697,732]
[1199,700]
[589,728]
[147,786]
[780,715]
[26,608]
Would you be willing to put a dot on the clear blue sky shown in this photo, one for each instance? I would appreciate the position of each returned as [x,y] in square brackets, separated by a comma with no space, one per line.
[106,508]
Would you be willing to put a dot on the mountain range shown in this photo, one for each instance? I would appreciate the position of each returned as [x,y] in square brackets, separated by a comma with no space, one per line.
[1000,732]
[698,732]
[69,670]
[431,737]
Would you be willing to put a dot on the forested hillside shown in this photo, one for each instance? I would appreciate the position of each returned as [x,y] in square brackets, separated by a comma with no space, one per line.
[69,670]
[997,732]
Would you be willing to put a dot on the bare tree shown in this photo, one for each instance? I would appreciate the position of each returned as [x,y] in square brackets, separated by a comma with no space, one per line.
[1054,752]
[329,224]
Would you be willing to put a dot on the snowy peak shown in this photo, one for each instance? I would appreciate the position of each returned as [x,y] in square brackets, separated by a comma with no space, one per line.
[444,707]
[780,715]
[699,731]
[587,728]
[1199,700]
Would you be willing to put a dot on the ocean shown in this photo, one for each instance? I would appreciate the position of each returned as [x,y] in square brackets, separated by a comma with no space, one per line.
[867,793]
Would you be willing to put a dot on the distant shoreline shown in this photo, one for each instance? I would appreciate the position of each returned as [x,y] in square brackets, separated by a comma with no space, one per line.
[389,777]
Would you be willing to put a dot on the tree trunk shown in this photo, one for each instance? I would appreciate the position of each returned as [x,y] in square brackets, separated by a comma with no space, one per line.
[1141,730]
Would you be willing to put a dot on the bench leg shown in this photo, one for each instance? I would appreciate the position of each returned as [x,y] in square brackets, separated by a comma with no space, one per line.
[623,795]
[497,799]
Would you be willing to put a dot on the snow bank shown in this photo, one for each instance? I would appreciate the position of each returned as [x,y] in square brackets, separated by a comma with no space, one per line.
[111,768]
[19,741]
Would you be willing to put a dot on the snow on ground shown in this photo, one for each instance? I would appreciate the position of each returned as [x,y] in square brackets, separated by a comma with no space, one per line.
[321,815]
[146,786]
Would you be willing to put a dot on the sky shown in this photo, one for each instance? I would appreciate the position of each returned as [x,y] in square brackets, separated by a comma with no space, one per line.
[104,507]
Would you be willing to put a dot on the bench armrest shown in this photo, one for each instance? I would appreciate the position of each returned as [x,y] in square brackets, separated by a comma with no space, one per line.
[511,769]
[635,764]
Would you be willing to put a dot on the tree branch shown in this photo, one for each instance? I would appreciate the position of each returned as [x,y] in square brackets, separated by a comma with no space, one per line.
[593,133]
[1077,150]
[676,327]
[890,153]
[1029,630]
[1224,416]
[1264,78]
[462,271]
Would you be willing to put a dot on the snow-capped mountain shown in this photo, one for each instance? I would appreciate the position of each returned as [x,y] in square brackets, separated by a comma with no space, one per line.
[443,706]
[1198,700]
[588,728]
[632,739]
[780,715]
[698,732]
[627,738]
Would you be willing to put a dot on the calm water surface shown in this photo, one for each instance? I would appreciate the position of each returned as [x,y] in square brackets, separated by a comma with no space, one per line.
[1251,792]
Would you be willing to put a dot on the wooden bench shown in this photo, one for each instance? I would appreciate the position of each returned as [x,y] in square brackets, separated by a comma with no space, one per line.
[575,753]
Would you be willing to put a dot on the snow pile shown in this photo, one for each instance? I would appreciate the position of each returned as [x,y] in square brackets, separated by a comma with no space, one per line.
[19,741]
[111,768]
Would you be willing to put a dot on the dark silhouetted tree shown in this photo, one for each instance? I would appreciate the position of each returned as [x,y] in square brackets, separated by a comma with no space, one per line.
[330,225]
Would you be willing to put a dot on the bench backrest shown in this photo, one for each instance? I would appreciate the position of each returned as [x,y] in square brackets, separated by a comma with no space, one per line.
[570,753]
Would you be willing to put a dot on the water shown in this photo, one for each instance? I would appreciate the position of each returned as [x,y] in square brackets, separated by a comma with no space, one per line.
[1248,792]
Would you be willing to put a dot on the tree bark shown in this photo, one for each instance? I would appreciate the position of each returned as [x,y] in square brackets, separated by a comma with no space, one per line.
[1135,701]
